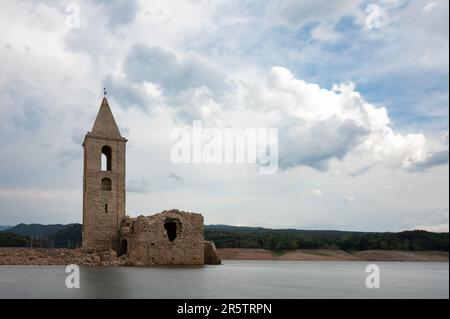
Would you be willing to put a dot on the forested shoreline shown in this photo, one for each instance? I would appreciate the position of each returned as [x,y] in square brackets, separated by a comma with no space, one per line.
[224,236]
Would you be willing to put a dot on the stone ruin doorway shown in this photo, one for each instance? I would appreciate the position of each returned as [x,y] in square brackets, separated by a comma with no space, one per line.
[173,227]
[123,247]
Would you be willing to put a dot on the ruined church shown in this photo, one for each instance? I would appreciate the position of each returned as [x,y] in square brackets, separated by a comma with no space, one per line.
[170,237]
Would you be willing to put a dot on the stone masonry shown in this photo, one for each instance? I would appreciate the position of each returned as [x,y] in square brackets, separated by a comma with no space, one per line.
[170,237]
[103,189]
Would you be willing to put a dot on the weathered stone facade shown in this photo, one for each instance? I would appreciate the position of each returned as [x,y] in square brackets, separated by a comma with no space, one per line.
[170,237]
[103,189]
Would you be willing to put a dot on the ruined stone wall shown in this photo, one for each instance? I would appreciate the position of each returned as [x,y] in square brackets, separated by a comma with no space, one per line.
[150,239]
[211,254]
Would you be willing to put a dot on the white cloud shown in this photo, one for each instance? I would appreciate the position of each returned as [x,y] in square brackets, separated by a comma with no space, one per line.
[444,138]
[295,14]
[315,125]
[416,29]
[321,124]
[315,192]
[439,228]
[138,186]
[350,199]
[434,221]
[36,194]
[325,33]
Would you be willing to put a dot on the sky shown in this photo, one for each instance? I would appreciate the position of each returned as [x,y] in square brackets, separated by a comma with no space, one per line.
[358,90]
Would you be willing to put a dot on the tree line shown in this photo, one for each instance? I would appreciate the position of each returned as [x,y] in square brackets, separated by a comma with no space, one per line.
[69,236]
[293,239]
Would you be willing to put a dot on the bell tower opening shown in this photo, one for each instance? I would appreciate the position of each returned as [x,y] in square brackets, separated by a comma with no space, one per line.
[106,184]
[106,158]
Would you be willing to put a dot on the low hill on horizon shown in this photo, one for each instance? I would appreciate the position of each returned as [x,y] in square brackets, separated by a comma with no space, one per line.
[247,229]
[226,236]
[45,236]
[36,230]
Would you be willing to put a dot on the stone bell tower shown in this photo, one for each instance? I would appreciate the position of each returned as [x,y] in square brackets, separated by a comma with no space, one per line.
[103,182]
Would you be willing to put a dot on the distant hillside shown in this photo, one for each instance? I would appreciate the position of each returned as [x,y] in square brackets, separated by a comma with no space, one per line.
[247,229]
[13,240]
[36,230]
[4,227]
[225,236]
[46,236]
[69,237]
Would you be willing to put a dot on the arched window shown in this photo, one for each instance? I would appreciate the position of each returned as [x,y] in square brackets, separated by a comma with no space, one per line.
[106,158]
[106,184]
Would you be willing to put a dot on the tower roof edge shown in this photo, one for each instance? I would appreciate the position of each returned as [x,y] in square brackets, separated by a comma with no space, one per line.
[105,125]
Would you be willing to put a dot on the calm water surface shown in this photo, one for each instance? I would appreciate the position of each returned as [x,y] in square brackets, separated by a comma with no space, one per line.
[232,279]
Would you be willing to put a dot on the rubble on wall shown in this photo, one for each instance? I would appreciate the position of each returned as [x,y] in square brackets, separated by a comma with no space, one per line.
[211,254]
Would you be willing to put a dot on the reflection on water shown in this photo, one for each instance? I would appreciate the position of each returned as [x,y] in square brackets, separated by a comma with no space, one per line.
[233,279]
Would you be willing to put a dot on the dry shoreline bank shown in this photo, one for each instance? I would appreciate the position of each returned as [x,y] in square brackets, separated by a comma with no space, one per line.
[61,256]
[333,255]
